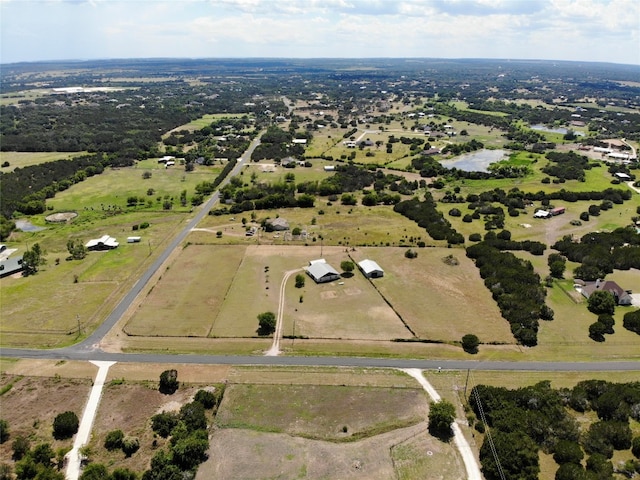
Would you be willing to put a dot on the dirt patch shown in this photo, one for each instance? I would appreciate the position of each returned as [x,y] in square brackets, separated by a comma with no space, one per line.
[237,453]
[61,217]
[352,291]
[328,294]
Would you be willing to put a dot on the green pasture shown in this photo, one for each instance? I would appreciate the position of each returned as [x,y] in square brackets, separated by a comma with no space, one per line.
[115,185]
[14,98]
[25,159]
[320,411]
[79,290]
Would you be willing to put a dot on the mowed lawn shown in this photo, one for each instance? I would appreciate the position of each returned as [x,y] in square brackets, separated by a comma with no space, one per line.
[189,294]
[438,301]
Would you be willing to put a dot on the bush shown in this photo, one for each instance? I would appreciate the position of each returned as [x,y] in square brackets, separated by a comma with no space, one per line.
[169,382]
[470,343]
[441,416]
[631,321]
[20,446]
[300,279]
[475,237]
[163,423]
[635,447]
[113,441]
[65,425]
[410,254]
[584,216]
[206,398]
[4,431]
[130,445]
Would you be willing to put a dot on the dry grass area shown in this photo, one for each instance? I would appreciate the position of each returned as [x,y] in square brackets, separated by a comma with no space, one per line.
[438,301]
[188,296]
[33,402]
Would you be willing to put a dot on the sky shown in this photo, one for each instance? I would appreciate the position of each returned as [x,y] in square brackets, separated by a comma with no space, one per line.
[580,30]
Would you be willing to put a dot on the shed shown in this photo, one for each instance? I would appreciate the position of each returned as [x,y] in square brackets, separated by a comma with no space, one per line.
[276,224]
[370,269]
[541,214]
[321,271]
[329,168]
[623,176]
[133,239]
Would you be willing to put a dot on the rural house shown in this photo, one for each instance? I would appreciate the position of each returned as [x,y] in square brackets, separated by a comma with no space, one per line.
[622,297]
[321,271]
[103,243]
[370,269]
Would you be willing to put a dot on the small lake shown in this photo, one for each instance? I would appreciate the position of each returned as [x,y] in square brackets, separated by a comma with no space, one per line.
[561,130]
[27,226]
[477,161]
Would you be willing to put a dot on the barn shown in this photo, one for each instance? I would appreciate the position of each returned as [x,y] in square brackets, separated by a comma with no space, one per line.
[370,269]
[321,271]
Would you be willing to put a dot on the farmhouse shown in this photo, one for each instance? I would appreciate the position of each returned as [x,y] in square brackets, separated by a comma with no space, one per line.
[103,243]
[370,269]
[276,224]
[321,271]
[10,266]
[622,297]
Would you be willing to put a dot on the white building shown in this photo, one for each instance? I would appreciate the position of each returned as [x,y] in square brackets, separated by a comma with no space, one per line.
[370,269]
[103,243]
[321,271]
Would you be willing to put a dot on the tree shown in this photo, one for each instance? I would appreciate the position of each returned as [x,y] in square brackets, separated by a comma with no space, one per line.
[192,414]
[163,423]
[43,454]
[567,451]
[20,447]
[4,431]
[130,445]
[347,266]
[635,447]
[300,279]
[123,474]
[113,441]
[206,398]
[600,302]
[189,452]
[65,425]
[266,323]
[557,265]
[608,321]
[94,471]
[470,343]
[76,249]
[631,321]
[169,382]
[441,416]
[597,331]
[518,456]
[32,259]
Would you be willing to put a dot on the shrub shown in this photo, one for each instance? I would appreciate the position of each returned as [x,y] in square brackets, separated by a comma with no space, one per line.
[584,216]
[470,343]
[475,237]
[300,279]
[441,416]
[206,398]
[4,431]
[169,382]
[631,321]
[113,441]
[65,425]
[130,445]
[410,254]
[20,447]
[266,323]
[163,423]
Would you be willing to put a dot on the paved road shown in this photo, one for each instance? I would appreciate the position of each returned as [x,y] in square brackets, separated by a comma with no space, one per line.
[75,354]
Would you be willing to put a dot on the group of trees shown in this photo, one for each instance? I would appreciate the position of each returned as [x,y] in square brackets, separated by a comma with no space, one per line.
[567,165]
[515,287]
[526,420]
[599,253]
[427,216]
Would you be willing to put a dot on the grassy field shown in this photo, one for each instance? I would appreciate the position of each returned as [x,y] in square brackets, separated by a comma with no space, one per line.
[204,121]
[24,159]
[114,186]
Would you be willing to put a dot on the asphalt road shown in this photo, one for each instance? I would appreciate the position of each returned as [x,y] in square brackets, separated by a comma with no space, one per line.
[89,348]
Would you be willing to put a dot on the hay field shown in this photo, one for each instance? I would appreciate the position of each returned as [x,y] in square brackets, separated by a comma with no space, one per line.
[438,301]
[189,294]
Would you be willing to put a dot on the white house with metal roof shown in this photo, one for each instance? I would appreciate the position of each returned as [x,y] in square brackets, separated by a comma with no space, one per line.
[370,269]
[321,271]
[103,243]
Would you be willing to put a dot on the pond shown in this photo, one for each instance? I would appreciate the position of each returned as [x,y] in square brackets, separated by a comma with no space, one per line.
[27,226]
[477,161]
[561,130]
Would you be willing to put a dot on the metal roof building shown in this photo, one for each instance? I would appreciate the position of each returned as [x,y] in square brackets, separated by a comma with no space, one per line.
[321,271]
[370,269]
